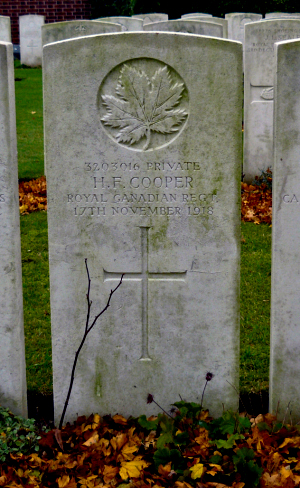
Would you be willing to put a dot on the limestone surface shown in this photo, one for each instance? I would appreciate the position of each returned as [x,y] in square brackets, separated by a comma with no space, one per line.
[58,31]
[260,38]
[195,14]
[285,305]
[127,23]
[12,350]
[215,20]
[199,27]
[31,39]
[281,15]
[149,18]
[236,24]
[5,33]
[143,155]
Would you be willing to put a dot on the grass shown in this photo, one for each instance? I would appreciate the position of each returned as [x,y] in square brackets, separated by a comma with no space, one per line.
[36,302]
[255,263]
[29,111]
[255,307]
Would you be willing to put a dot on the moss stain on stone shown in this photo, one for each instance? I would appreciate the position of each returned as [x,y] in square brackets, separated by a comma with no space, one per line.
[158,237]
[100,366]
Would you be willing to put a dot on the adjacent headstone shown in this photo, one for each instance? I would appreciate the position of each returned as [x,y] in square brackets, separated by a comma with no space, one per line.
[5,31]
[236,24]
[12,350]
[285,305]
[31,39]
[281,15]
[143,154]
[127,23]
[60,31]
[195,14]
[215,20]
[149,18]
[188,26]
[259,82]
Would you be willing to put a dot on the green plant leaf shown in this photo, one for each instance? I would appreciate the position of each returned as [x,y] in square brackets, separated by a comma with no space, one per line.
[148,424]
[229,443]
[164,456]
[166,438]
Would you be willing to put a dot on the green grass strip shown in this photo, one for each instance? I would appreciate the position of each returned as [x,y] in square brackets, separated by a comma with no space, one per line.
[29,112]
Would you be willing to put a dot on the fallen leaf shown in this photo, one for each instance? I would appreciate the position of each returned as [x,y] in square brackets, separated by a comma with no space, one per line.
[92,440]
[119,419]
[109,473]
[197,471]
[132,469]
[63,481]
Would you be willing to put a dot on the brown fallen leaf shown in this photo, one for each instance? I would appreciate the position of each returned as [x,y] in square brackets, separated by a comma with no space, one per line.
[58,438]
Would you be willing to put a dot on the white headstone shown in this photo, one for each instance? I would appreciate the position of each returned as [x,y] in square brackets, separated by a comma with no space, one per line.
[215,20]
[259,90]
[188,26]
[281,15]
[31,39]
[127,23]
[12,350]
[144,178]
[236,24]
[5,32]
[195,14]
[59,31]
[149,18]
[285,305]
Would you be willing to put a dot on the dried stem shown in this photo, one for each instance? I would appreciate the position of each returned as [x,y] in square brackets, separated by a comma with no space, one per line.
[163,409]
[88,328]
[202,397]
[209,376]
[237,395]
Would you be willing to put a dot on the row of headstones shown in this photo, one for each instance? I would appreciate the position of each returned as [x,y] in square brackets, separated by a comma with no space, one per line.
[260,37]
[143,155]
[34,34]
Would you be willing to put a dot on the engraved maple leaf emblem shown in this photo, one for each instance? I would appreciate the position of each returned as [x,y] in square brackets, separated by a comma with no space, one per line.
[142,105]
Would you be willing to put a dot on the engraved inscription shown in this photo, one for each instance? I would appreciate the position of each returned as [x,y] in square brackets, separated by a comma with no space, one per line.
[143,101]
[145,276]
[80,28]
[292,198]
[267,93]
[269,37]
[125,189]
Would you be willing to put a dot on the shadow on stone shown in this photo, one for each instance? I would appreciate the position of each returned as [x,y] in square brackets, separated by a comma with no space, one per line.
[254,403]
[40,407]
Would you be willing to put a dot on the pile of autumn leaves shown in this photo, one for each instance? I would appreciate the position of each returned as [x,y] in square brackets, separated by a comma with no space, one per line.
[183,451]
[256,198]
[33,195]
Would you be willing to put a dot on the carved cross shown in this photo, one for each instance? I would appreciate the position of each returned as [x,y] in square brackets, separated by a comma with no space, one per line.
[32,45]
[145,276]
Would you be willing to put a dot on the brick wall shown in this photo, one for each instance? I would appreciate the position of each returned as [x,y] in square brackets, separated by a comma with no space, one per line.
[53,10]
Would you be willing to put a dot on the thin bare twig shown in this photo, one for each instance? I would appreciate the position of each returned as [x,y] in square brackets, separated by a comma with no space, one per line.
[88,328]
[236,390]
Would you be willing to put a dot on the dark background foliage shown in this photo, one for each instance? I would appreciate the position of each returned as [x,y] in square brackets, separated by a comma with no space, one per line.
[218,8]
